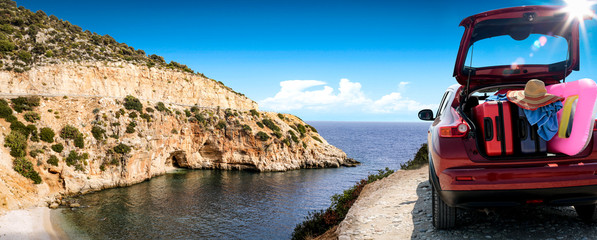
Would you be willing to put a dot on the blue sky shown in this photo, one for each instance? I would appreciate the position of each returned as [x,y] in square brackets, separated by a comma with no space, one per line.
[320,60]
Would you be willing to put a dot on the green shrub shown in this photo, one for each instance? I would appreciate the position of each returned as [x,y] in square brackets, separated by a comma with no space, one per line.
[286,141]
[133,115]
[69,132]
[161,107]
[301,129]
[34,153]
[5,111]
[247,128]
[281,116]
[194,109]
[20,127]
[21,104]
[187,113]
[75,159]
[260,124]
[149,110]
[25,168]
[58,147]
[270,124]
[312,128]
[421,158]
[254,113]
[47,134]
[31,116]
[317,139]
[293,136]
[262,136]
[17,142]
[131,127]
[6,46]
[34,135]
[95,111]
[200,118]
[80,141]
[132,103]
[53,160]
[24,56]
[146,116]
[278,134]
[221,124]
[98,132]
[122,149]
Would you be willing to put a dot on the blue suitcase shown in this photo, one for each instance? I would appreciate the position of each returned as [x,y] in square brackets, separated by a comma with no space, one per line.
[530,142]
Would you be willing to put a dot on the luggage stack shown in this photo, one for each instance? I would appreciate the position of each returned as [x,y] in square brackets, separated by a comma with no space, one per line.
[529,140]
[495,121]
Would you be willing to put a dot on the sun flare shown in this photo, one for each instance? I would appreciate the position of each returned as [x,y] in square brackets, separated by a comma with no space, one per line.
[580,9]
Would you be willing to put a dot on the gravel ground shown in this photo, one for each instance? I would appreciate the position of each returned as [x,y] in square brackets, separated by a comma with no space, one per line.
[399,207]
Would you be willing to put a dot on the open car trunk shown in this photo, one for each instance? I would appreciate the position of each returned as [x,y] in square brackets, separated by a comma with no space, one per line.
[503,132]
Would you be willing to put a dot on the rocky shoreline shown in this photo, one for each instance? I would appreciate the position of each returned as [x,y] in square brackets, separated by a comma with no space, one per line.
[123,146]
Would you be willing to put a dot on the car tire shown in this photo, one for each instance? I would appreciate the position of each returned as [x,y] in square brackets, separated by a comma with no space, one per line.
[586,212]
[444,216]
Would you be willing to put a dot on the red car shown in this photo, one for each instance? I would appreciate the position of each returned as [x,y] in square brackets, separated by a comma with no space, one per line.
[501,50]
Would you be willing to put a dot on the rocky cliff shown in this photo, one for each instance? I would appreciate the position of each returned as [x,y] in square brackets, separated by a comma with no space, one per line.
[81,112]
[120,147]
[119,79]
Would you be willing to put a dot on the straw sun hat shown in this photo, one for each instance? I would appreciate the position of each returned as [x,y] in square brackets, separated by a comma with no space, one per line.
[534,96]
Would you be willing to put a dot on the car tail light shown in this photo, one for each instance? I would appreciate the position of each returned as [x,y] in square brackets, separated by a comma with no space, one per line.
[595,125]
[459,130]
[464,178]
[535,201]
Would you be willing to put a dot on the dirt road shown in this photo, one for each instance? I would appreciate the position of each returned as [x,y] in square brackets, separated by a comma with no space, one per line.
[399,207]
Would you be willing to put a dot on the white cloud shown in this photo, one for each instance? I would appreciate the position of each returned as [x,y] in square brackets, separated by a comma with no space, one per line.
[349,98]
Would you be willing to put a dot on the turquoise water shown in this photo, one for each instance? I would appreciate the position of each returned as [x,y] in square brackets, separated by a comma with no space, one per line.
[212,204]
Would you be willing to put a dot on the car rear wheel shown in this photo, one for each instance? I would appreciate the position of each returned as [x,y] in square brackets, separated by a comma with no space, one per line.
[586,212]
[444,216]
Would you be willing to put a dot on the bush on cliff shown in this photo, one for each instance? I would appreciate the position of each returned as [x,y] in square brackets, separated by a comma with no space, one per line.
[98,132]
[75,159]
[70,132]
[421,158]
[131,127]
[132,103]
[53,160]
[46,134]
[58,147]
[161,107]
[221,124]
[122,149]
[31,116]
[270,124]
[262,136]
[21,104]
[318,222]
[25,168]
[5,111]
[17,142]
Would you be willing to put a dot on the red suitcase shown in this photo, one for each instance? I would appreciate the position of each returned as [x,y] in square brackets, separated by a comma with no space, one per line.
[495,121]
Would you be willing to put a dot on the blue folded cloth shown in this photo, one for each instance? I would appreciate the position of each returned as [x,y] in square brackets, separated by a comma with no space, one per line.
[546,118]
[498,97]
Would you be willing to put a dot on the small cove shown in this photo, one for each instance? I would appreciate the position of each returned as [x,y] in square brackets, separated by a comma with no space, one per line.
[213,204]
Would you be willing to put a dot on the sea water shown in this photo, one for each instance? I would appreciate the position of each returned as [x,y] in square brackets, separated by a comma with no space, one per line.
[213,204]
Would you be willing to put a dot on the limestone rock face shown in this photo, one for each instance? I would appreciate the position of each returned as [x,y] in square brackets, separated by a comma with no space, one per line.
[159,141]
[109,79]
